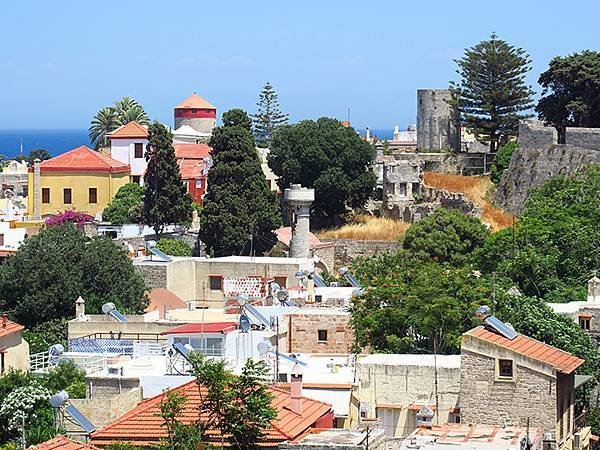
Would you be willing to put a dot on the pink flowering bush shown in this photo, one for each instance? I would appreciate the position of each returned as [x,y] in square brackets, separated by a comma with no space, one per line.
[69,216]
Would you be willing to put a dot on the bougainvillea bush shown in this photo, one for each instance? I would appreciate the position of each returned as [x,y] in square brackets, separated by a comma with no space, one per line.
[70,216]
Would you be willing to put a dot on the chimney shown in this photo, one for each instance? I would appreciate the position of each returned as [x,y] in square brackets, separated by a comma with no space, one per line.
[593,290]
[5,322]
[80,308]
[296,389]
[37,190]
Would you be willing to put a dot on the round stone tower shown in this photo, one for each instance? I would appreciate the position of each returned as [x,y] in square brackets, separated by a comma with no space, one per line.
[436,121]
[197,113]
[298,200]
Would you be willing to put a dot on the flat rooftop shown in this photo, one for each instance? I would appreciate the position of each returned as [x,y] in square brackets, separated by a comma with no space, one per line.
[336,437]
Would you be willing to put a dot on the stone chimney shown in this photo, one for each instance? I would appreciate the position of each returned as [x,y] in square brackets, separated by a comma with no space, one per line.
[37,190]
[296,389]
[593,290]
[80,307]
[299,200]
[4,320]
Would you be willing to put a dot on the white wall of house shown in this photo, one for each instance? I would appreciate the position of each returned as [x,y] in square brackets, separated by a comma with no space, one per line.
[124,150]
[12,237]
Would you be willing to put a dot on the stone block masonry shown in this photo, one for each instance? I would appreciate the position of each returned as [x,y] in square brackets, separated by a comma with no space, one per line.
[321,330]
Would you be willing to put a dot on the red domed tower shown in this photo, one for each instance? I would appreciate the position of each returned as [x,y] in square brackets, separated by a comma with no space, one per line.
[197,113]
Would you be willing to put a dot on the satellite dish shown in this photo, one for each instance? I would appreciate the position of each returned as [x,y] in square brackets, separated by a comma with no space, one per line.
[263,348]
[282,295]
[244,323]
[242,299]
[59,399]
[189,348]
[302,273]
[108,307]
[483,311]
[56,350]
[275,286]
[343,270]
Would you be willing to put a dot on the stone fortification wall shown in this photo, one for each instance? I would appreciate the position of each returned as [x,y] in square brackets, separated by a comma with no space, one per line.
[155,275]
[436,125]
[539,157]
[347,250]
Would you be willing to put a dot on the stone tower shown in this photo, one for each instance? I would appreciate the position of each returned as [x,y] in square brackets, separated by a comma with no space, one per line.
[298,200]
[437,125]
[197,113]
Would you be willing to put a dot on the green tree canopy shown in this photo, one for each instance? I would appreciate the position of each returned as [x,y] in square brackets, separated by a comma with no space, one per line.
[502,160]
[126,206]
[42,280]
[237,118]
[166,200]
[492,95]
[445,236]
[112,117]
[328,157]
[571,92]
[239,212]
[174,247]
[268,116]
[553,249]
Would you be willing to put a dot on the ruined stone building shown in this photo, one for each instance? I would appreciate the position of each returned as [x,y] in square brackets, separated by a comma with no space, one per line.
[539,157]
[436,121]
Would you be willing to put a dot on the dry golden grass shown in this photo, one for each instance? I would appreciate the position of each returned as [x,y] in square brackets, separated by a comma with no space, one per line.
[368,228]
[476,189]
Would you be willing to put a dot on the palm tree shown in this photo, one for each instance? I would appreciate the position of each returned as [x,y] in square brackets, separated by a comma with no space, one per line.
[103,123]
[128,109]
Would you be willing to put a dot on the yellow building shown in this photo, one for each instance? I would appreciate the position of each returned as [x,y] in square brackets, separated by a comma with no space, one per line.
[80,179]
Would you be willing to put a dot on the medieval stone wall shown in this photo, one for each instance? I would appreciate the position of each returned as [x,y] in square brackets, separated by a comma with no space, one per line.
[303,332]
[347,250]
[539,157]
[155,275]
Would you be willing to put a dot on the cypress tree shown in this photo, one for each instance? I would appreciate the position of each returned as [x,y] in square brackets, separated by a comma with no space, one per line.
[239,211]
[492,95]
[165,200]
[268,116]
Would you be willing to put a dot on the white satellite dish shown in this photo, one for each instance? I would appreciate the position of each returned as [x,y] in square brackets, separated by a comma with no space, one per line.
[242,299]
[275,287]
[263,347]
[56,350]
[108,307]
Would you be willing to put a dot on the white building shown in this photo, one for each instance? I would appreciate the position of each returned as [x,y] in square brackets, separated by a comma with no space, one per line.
[128,145]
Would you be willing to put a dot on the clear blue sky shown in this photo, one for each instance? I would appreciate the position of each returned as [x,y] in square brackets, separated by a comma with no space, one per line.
[60,61]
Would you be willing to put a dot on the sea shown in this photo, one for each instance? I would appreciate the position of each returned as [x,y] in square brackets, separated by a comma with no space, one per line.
[59,141]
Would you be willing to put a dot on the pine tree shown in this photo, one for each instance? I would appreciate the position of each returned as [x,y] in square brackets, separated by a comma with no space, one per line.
[239,211]
[492,95]
[165,200]
[268,116]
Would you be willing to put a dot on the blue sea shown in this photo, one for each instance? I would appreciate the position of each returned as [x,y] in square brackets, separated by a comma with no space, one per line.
[55,141]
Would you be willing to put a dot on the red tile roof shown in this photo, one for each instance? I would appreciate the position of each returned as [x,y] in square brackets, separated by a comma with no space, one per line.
[195,101]
[190,169]
[143,424]
[62,442]
[130,130]
[9,327]
[209,327]
[191,151]
[284,235]
[161,298]
[562,361]
[83,159]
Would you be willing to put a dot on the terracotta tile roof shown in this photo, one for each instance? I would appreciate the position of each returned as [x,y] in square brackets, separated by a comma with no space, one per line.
[191,151]
[83,159]
[284,235]
[143,424]
[195,101]
[190,169]
[562,361]
[208,327]
[8,327]
[63,443]
[130,130]
[161,298]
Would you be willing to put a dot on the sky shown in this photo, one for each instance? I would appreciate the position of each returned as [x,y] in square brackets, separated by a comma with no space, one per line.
[61,61]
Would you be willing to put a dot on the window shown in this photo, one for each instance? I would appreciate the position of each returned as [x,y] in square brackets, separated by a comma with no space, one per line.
[25,191]
[135,179]
[214,347]
[281,280]
[45,195]
[318,299]
[1,239]
[322,335]
[92,195]
[198,184]
[505,368]
[584,322]
[402,189]
[392,188]
[138,150]
[67,198]
[215,282]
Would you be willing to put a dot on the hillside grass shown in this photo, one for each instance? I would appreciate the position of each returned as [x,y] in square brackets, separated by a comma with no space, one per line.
[479,190]
[367,228]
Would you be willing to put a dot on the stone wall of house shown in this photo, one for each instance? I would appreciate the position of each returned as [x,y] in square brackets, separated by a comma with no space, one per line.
[485,400]
[539,157]
[155,275]
[303,336]
[104,409]
[347,250]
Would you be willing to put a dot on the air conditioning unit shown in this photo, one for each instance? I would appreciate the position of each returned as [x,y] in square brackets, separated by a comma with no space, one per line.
[577,441]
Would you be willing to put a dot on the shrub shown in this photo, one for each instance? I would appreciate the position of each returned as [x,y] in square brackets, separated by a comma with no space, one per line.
[174,247]
[502,160]
[69,216]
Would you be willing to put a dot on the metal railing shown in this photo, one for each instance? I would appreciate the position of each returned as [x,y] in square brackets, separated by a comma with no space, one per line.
[41,362]
[154,337]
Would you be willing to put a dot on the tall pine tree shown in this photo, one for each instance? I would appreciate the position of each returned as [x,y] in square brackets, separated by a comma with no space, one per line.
[492,95]
[239,211]
[268,116]
[165,200]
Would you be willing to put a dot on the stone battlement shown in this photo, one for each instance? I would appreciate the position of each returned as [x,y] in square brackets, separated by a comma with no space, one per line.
[534,134]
